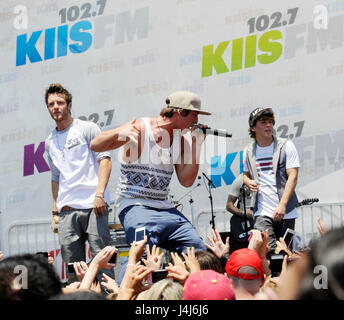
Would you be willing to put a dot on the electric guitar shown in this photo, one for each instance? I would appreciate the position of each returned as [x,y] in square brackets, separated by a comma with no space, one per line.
[307,202]
[238,231]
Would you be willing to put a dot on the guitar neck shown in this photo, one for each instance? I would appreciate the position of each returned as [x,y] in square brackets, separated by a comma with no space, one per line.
[307,202]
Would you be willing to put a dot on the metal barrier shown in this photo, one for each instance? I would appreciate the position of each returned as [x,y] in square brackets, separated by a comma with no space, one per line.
[332,214]
[36,236]
[30,237]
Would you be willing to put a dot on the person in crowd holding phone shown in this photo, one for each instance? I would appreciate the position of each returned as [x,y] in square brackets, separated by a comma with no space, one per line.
[270,171]
[79,179]
[153,149]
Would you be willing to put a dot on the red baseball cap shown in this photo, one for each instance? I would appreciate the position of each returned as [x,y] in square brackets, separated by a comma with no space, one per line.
[242,258]
[208,285]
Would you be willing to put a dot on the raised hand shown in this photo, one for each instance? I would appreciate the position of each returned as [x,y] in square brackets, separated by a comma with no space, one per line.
[101,260]
[191,260]
[321,227]
[136,251]
[80,269]
[217,246]
[154,259]
[281,245]
[109,283]
[132,283]
[178,270]
[259,242]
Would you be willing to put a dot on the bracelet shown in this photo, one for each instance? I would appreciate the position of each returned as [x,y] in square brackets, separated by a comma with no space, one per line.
[55,213]
[130,264]
[98,196]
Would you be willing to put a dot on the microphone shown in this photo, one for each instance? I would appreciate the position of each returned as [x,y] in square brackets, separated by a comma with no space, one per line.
[214,132]
[210,182]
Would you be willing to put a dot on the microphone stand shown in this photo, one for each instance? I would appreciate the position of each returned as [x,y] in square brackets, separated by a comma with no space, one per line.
[243,196]
[192,210]
[212,221]
[190,201]
[198,184]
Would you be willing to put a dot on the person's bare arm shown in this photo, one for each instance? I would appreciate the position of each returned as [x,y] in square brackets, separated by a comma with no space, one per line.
[104,172]
[54,191]
[187,169]
[117,137]
[230,207]
[280,210]
[100,261]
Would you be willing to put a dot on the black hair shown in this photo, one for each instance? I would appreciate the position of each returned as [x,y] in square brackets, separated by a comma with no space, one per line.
[328,252]
[42,280]
[208,260]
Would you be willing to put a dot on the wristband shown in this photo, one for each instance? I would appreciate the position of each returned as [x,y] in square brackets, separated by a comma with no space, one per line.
[55,213]
[130,264]
[243,213]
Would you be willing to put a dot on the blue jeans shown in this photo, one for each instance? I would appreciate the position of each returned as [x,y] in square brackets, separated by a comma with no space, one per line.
[166,228]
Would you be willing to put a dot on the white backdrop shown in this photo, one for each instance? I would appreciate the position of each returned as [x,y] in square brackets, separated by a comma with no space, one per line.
[120,59]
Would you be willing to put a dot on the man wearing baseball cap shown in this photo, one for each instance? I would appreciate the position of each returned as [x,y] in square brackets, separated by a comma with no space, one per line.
[245,270]
[208,285]
[270,171]
[152,149]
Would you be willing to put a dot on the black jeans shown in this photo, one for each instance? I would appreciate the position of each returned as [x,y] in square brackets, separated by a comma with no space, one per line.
[276,229]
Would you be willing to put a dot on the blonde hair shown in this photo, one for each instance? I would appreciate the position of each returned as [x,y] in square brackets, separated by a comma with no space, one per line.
[165,289]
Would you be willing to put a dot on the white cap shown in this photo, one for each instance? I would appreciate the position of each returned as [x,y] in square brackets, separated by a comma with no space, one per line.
[185,100]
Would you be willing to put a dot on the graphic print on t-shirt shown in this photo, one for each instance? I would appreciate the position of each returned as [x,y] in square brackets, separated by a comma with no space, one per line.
[268,199]
[264,169]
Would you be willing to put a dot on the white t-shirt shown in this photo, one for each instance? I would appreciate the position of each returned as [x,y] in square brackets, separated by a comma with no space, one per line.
[74,165]
[267,191]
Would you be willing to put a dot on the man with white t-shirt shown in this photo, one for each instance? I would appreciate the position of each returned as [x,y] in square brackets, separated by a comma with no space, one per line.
[270,171]
[79,179]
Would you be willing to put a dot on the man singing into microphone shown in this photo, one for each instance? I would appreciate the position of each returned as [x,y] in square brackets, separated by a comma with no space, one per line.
[152,149]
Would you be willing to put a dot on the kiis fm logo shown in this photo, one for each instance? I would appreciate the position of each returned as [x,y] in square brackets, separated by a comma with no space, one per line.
[266,47]
[78,38]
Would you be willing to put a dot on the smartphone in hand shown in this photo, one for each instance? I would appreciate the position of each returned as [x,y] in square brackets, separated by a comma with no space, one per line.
[113,259]
[288,237]
[140,234]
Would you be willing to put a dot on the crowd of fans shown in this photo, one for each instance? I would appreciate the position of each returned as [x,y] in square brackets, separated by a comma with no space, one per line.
[246,274]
